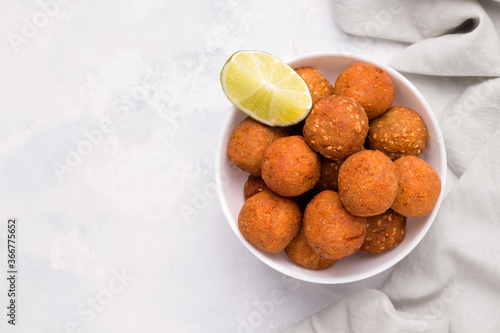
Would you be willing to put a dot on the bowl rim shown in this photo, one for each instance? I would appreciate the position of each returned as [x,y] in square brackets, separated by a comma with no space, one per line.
[301,273]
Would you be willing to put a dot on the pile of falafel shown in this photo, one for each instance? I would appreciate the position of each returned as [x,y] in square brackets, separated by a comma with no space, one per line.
[344,179]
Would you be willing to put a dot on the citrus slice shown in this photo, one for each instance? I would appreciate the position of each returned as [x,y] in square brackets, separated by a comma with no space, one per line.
[265,88]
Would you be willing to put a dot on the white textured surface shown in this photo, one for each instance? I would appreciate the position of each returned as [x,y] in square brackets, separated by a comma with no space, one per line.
[110,116]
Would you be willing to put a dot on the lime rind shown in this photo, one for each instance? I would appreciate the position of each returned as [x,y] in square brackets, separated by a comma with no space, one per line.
[265,88]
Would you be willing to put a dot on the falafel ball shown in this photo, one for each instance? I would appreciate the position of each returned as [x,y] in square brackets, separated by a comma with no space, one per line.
[301,253]
[330,229]
[319,87]
[384,232]
[290,167]
[269,222]
[368,183]
[336,127]
[253,185]
[369,85]
[419,187]
[247,142]
[329,178]
[399,131]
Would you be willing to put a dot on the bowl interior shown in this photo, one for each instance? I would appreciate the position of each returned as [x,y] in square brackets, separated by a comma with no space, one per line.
[359,265]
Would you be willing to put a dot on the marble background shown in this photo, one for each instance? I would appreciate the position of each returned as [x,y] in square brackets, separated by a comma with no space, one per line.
[110,116]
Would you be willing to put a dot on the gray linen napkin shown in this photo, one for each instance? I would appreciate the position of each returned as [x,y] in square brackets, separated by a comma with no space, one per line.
[451,281]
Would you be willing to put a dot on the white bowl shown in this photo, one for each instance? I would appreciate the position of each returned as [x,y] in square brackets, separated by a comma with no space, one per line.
[359,265]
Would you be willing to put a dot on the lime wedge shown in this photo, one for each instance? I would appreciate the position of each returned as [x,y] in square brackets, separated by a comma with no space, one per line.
[265,88]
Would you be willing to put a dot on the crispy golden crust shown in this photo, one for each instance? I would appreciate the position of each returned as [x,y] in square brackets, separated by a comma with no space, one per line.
[247,142]
[368,183]
[384,232]
[369,85]
[319,87]
[336,127]
[330,229]
[419,187]
[269,222]
[399,131]
[329,178]
[301,253]
[253,186]
[290,167]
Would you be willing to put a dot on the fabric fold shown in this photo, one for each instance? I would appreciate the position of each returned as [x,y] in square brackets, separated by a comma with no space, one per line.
[469,123]
[450,282]
[437,30]
[369,310]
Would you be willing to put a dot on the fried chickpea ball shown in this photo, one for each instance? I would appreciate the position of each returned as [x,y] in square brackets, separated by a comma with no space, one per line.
[369,85]
[384,232]
[319,87]
[301,253]
[399,131]
[329,178]
[330,229]
[336,127]
[253,186]
[247,142]
[368,183]
[290,167]
[419,187]
[269,222]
